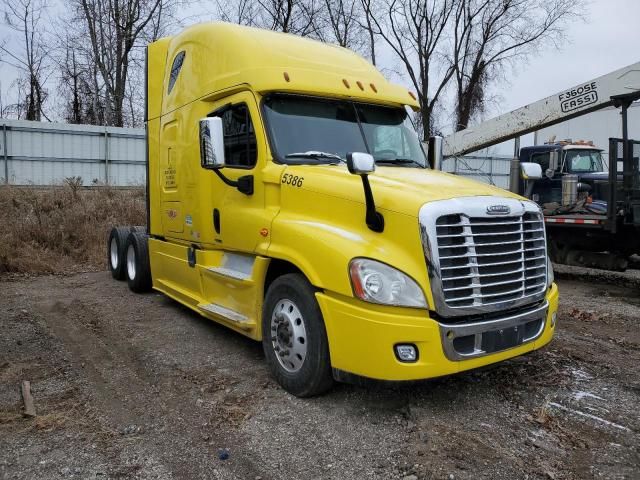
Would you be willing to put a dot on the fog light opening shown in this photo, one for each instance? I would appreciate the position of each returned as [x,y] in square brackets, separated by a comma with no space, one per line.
[406,352]
[554,315]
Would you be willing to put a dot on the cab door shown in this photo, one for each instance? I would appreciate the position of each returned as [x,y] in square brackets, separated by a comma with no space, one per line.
[546,189]
[240,220]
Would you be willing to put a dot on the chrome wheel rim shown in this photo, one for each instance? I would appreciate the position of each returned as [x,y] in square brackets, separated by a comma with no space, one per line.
[131,262]
[288,335]
[113,253]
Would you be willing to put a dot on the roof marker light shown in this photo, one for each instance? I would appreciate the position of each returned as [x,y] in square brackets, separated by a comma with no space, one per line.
[286,77]
[412,95]
[359,83]
[373,87]
[346,84]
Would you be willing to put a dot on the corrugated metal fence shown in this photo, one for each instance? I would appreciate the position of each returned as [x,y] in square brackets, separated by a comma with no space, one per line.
[493,170]
[39,153]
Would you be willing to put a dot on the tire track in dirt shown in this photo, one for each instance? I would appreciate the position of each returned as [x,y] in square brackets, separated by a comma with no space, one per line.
[133,395]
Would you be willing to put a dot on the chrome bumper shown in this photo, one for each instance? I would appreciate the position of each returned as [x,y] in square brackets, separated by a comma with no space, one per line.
[463,341]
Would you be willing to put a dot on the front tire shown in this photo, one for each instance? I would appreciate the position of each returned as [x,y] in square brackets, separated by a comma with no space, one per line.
[138,269]
[294,338]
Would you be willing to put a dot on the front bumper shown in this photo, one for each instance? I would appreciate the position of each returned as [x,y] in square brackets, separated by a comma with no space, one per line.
[362,337]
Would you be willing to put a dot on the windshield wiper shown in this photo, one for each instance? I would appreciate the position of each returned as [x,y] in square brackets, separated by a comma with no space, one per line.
[315,155]
[399,161]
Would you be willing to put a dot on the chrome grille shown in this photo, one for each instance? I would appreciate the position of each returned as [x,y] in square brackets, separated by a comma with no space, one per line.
[491,260]
[481,262]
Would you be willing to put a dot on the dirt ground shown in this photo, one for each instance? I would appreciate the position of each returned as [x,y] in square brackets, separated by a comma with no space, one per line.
[136,386]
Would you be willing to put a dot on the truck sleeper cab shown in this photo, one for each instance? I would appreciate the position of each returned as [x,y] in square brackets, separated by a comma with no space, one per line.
[290,200]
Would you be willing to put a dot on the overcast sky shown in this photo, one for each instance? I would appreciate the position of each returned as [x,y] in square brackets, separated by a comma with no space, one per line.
[609,39]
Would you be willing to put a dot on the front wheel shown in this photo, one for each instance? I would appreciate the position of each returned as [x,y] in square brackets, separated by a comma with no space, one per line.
[294,337]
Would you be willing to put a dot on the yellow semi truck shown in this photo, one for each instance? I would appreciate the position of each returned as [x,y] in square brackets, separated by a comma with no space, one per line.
[290,200]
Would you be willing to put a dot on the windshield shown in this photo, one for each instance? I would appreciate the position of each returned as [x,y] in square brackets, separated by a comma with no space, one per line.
[583,161]
[313,130]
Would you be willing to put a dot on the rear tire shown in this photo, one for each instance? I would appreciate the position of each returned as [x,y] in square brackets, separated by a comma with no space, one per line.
[116,251]
[138,269]
[294,338]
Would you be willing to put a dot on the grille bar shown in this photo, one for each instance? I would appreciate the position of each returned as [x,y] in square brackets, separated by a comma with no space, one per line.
[541,257]
[514,232]
[468,244]
[511,252]
[488,224]
[494,284]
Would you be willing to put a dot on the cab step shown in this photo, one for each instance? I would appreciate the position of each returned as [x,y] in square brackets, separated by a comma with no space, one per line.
[230,273]
[236,317]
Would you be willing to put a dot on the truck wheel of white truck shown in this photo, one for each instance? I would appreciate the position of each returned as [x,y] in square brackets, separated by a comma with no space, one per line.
[294,337]
[138,269]
[116,251]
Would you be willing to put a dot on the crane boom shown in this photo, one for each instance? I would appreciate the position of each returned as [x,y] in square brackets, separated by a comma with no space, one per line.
[584,98]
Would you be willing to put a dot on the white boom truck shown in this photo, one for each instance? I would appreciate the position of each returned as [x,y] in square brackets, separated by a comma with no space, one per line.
[578,236]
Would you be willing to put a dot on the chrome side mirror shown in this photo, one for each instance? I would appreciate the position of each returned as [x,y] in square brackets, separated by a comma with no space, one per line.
[211,143]
[530,171]
[553,161]
[435,152]
[360,163]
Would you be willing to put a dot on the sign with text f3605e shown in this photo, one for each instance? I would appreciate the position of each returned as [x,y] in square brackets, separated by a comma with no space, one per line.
[578,97]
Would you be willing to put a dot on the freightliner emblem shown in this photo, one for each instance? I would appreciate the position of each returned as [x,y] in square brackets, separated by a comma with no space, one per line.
[498,210]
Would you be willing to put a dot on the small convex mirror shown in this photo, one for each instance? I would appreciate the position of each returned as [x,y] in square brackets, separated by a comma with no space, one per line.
[360,163]
[530,171]
[211,143]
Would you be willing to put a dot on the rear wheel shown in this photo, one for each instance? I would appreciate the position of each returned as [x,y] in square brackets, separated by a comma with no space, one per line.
[138,269]
[294,337]
[116,252]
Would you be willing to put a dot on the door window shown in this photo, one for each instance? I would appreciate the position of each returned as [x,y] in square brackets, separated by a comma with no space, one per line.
[541,159]
[175,70]
[240,146]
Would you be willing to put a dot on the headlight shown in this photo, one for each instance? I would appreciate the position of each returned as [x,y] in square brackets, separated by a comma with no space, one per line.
[377,282]
[550,276]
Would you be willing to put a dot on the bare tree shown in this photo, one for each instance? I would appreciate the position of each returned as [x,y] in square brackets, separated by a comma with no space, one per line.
[343,22]
[367,25]
[415,31]
[25,17]
[289,16]
[115,29]
[71,73]
[489,34]
[242,12]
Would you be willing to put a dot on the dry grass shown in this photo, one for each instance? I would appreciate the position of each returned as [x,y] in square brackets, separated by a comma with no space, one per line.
[64,228]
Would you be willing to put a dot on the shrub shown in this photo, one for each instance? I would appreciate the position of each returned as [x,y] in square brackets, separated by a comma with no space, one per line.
[63,228]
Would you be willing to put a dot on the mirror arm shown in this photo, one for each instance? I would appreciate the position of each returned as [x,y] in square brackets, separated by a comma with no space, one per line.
[244,183]
[373,218]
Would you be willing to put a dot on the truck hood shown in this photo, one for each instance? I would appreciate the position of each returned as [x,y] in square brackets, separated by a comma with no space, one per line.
[593,176]
[398,189]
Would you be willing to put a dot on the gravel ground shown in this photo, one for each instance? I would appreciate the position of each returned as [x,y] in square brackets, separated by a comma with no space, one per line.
[130,386]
